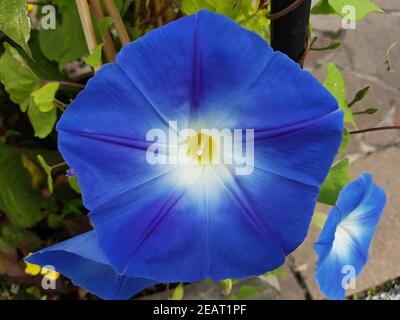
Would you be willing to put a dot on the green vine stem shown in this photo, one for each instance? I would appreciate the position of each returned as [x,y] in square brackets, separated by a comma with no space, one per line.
[375,129]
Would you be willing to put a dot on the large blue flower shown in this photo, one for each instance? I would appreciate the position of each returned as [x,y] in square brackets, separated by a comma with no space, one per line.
[179,222]
[345,239]
[81,260]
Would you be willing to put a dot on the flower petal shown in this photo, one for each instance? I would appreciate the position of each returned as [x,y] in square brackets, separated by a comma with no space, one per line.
[195,63]
[187,233]
[283,95]
[102,136]
[161,67]
[287,210]
[107,166]
[81,260]
[347,234]
[110,98]
[303,153]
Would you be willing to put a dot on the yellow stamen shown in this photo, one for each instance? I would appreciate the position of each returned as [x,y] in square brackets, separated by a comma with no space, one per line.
[50,274]
[201,148]
[32,269]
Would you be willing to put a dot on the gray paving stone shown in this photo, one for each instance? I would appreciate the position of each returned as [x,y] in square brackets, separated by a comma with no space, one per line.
[326,23]
[388,4]
[397,117]
[313,57]
[366,47]
[384,260]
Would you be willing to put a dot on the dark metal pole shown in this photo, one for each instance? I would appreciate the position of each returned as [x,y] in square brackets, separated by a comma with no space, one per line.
[289,33]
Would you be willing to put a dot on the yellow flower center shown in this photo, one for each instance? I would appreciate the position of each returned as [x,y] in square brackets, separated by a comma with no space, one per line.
[201,148]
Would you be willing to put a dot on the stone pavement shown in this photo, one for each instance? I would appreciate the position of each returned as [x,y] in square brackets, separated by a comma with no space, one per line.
[362,59]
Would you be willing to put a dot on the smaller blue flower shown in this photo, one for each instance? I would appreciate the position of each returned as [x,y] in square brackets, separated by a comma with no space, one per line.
[81,260]
[344,242]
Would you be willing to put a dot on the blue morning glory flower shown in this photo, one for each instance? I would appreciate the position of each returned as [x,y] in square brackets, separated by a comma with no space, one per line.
[346,236]
[179,221]
[81,260]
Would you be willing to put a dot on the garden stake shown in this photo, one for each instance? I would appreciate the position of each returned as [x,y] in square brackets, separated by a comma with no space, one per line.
[118,22]
[289,27]
[109,49]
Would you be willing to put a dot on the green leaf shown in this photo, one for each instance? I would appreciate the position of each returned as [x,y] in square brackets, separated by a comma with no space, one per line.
[337,178]
[322,7]
[42,122]
[359,96]
[41,66]
[234,8]
[226,286]
[119,4]
[362,7]
[231,8]
[279,272]
[15,23]
[101,26]
[17,237]
[67,42]
[18,199]
[345,140]
[72,208]
[242,11]
[74,43]
[51,42]
[193,6]
[17,77]
[123,6]
[47,169]
[34,171]
[73,183]
[319,219]
[54,221]
[35,293]
[44,97]
[178,292]
[94,60]
[4,247]
[245,292]
[334,82]
[258,23]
